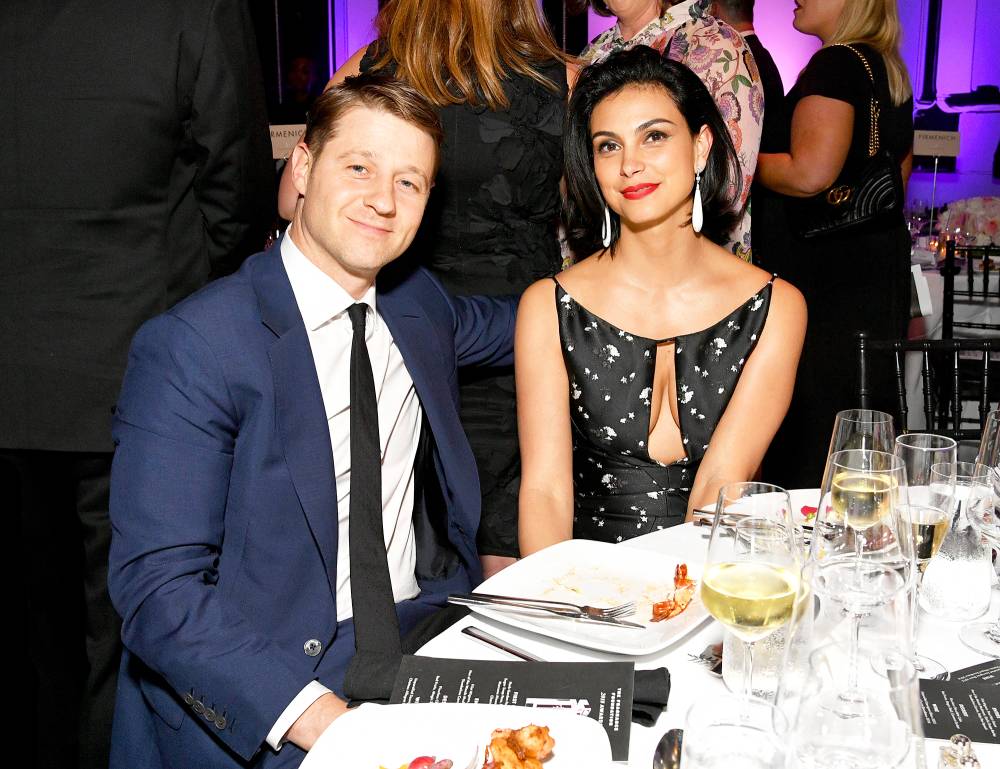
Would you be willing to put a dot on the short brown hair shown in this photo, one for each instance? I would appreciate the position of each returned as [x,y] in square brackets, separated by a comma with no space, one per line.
[379,92]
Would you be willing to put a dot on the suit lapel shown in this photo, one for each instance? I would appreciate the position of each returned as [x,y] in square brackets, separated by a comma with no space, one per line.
[417,341]
[299,413]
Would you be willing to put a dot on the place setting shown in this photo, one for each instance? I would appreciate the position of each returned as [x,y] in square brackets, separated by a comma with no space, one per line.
[830,647]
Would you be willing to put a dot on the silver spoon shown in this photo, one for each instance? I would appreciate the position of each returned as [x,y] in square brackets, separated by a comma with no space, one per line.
[667,754]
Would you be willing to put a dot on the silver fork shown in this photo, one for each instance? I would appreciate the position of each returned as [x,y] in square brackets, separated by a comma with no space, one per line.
[626,609]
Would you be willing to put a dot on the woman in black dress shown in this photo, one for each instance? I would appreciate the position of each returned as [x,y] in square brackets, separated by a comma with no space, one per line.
[857,281]
[658,368]
[490,227]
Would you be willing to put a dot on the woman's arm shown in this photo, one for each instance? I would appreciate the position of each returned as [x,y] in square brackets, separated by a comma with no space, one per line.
[287,195]
[822,129]
[905,169]
[546,499]
[759,404]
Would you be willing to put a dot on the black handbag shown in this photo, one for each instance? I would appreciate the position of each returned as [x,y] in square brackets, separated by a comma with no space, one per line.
[873,194]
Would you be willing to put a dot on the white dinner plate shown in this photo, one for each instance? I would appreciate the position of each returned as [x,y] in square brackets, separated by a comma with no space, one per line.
[803,501]
[393,735]
[582,571]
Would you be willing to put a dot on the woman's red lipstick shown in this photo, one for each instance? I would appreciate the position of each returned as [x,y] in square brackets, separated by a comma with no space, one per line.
[638,191]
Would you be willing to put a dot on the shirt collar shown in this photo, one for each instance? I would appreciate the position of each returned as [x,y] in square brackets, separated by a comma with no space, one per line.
[320,298]
[671,18]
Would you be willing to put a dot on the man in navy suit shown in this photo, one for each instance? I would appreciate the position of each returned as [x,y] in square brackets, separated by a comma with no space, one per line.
[232,483]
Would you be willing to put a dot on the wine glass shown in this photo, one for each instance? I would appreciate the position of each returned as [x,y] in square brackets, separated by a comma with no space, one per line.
[734,733]
[860,429]
[984,637]
[751,579]
[862,550]
[926,511]
[875,727]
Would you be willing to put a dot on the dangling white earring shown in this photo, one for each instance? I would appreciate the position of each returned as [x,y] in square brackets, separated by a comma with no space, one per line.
[697,216]
[606,229]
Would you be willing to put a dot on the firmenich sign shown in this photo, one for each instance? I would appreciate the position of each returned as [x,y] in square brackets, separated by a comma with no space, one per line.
[284,138]
[941,144]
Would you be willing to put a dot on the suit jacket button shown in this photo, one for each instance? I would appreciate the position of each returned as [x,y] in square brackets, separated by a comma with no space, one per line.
[189,699]
[209,714]
[198,707]
[220,722]
[312,647]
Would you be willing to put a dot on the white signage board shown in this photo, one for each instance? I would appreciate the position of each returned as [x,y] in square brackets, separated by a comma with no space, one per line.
[284,138]
[940,144]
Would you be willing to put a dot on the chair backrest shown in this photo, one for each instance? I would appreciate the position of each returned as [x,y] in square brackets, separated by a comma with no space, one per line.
[951,373]
[977,288]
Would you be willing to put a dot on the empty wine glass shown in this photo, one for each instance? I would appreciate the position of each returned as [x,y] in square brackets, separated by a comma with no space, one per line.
[926,511]
[735,733]
[751,579]
[874,726]
[862,549]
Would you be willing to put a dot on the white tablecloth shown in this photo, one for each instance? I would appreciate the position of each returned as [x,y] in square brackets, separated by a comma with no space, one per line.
[690,681]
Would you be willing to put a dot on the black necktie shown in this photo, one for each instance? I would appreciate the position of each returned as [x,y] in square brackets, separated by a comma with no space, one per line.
[376,629]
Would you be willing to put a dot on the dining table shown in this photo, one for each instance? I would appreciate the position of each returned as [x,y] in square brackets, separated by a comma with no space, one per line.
[690,679]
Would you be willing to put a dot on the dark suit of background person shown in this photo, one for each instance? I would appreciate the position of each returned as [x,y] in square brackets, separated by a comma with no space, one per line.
[224,560]
[770,240]
[134,165]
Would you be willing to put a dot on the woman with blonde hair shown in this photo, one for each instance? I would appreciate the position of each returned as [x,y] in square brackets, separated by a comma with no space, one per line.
[500,82]
[851,109]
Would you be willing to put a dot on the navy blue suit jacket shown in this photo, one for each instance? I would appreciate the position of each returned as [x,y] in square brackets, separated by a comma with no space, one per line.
[223,557]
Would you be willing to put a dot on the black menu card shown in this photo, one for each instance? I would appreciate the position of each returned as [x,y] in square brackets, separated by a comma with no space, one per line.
[600,690]
[968,703]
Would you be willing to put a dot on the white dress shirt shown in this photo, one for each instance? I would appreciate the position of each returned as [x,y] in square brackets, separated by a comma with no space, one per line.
[323,304]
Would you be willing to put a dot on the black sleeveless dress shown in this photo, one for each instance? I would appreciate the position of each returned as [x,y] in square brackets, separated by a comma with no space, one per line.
[491,228]
[621,492]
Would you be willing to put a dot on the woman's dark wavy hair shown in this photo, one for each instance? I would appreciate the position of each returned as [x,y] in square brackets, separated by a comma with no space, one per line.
[720,181]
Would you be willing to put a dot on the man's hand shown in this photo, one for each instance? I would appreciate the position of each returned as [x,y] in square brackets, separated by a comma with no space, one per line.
[313,722]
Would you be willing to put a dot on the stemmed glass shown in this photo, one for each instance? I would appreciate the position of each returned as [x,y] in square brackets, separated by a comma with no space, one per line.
[984,637]
[878,727]
[929,498]
[735,732]
[751,578]
[860,429]
[862,550]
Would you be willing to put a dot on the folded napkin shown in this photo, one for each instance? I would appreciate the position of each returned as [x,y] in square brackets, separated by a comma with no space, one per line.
[649,698]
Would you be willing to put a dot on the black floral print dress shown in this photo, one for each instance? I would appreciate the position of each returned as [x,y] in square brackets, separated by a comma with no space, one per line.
[621,492]
[491,228]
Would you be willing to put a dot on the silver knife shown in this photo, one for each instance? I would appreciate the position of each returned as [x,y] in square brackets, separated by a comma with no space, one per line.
[471,600]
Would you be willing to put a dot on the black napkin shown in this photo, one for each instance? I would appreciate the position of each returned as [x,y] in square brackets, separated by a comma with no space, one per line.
[649,698]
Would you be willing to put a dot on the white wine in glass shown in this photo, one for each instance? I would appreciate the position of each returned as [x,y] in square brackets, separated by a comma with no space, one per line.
[751,579]
[862,499]
[751,599]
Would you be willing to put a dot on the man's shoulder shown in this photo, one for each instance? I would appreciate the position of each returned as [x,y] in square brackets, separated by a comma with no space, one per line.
[231,296]
[221,311]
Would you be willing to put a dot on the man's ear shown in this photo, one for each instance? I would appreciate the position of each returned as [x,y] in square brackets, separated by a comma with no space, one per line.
[301,163]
